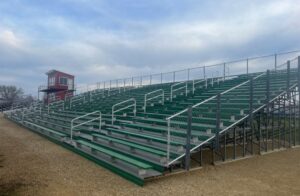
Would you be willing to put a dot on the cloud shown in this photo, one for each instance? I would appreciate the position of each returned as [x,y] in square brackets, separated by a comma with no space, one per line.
[106,40]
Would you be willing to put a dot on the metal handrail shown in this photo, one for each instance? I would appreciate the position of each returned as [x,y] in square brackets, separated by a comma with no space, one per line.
[197,82]
[113,111]
[153,92]
[177,84]
[276,55]
[77,98]
[196,105]
[58,103]
[85,122]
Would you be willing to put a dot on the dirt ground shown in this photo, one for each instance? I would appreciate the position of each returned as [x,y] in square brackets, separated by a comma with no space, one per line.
[32,165]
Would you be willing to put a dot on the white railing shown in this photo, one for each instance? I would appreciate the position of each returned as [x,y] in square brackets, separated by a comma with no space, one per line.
[56,104]
[85,122]
[245,65]
[198,82]
[162,95]
[113,111]
[173,89]
[77,99]
[168,119]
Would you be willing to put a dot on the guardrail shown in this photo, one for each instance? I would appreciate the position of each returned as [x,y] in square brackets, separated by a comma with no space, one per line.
[58,103]
[162,95]
[81,98]
[194,106]
[85,122]
[198,72]
[198,82]
[113,111]
[178,89]
[217,97]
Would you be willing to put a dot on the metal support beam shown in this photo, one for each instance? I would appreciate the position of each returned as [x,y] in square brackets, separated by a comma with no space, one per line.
[251,115]
[218,115]
[188,140]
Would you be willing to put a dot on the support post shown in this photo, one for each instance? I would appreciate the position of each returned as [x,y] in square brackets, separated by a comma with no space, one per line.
[218,121]
[268,107]
[188,140]
[224,71]
[275,63]
[251,115]
[174,76]
[247,66]
[298,97]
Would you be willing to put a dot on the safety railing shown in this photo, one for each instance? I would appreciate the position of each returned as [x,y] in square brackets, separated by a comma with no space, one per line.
[197,82]
[180,86]
[76,99]
[156,94]
[74,125]
[241,66]
[57,104]
[216,100]
[132,103]
[169,119]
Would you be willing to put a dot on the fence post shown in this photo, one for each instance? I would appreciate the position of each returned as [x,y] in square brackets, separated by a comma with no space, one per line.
[174,76]
[251,114]
[218,116]
[224,70]
[275,59]
[268,106]
[188,74]
[299,97]
[288,79]
[204,74]
[188,140]
[247,64]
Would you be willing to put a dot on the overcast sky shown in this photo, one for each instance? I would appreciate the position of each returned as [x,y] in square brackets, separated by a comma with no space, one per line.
[107,39]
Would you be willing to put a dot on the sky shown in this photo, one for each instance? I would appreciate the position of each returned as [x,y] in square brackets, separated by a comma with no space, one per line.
[99,40]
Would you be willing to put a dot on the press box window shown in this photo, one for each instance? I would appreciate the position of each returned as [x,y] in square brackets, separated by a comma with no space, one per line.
[63,81]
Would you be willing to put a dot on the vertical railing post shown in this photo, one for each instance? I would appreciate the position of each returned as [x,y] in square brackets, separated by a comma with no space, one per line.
[218,118]
[275,61]
[288,79]
[174,76]
[161,78]
[188,74]
[224,71]
[204,72]
[168,140]
[247,66]
[268,107]
[150,79]
[132,81]
[188,140]
[298,98]
[251,115]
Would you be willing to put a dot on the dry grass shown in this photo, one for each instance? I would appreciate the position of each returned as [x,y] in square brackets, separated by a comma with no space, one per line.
[32,165]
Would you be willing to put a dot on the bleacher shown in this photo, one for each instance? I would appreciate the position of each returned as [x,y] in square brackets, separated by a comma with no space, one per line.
[140,132]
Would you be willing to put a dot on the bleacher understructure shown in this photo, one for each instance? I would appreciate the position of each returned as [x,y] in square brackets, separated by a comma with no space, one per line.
[143,132]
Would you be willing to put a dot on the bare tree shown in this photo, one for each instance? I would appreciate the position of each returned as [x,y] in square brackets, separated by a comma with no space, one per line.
[10,93]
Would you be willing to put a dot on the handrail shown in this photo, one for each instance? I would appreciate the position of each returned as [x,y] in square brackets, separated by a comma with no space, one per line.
[177,84]
[232,125]
[113,111]
[85,122]
[77,98]
[59,103]
[196,105]
[276,55]
[199,81]
[160,95]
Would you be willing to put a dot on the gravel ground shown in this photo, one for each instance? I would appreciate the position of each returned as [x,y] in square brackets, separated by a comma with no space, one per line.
[32,165]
